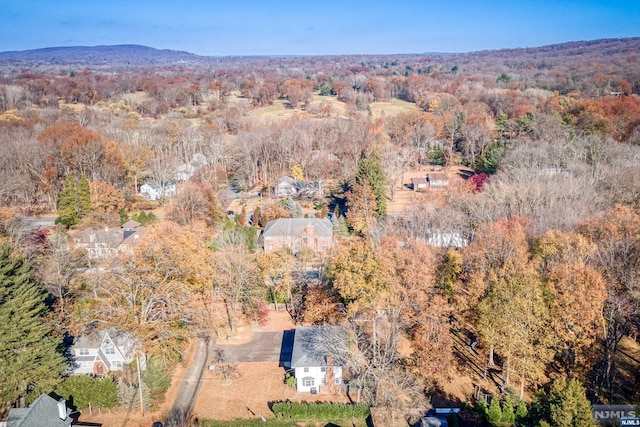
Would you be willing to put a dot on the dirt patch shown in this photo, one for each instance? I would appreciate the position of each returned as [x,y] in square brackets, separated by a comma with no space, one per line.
[249,395]
[258,383]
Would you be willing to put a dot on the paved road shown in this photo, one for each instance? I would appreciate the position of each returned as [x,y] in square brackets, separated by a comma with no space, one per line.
[264,347]
[180,412]
[37,222]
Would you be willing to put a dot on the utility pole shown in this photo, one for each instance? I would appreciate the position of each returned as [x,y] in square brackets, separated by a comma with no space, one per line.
[140,383]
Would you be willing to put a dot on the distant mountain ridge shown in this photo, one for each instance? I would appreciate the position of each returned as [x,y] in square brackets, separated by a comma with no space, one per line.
[125,54]
[132,54]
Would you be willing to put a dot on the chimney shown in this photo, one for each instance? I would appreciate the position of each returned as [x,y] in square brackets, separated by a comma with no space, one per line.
[62,409]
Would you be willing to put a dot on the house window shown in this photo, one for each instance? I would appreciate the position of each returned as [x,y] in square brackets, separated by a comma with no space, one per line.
[306,369]
[338,380]
[323,369]
[109,349]
[83,352]
[323,381]
[117,364]
[307,382]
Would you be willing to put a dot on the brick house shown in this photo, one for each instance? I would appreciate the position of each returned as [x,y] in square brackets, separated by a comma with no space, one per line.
[298,233]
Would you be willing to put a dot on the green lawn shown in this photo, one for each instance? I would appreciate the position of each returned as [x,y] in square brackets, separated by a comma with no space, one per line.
[273,422]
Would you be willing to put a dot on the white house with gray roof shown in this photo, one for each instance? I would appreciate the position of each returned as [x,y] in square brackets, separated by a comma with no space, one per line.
[101,352]
[314,361]
[298,233]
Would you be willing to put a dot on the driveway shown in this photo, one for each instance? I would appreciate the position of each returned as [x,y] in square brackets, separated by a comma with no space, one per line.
[263,347]
[186,398]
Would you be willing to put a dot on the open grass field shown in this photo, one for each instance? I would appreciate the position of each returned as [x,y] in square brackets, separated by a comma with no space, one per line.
[282,110]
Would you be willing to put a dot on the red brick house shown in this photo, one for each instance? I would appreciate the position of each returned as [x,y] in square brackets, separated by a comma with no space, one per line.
[297,233]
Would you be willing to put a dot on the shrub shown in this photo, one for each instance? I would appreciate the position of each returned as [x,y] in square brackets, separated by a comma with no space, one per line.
[82,391]
[319,411]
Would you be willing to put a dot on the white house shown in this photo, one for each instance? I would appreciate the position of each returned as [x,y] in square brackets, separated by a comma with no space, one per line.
[157,190]
[316,370]
[447,239]
[437,179]
[289,187]
[187,170]
[286,187]
[101,352]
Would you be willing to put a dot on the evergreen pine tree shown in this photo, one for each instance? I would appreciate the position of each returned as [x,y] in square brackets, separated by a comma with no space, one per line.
[123,216]
[83,197]
[508,414]
[67,212]
[521,411]
[31,362]
[494,412]
[74,202]
[371,167]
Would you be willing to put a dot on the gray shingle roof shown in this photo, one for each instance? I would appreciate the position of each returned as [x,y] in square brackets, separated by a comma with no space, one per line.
[43,412]
[312,344]
[296,226]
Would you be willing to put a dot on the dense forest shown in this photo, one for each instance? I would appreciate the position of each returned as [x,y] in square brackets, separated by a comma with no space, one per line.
[544,146]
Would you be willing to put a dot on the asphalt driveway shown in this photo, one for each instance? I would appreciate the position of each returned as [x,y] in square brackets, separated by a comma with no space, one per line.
[263,347]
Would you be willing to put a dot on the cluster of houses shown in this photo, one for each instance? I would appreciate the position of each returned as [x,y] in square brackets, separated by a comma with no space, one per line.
[432,181]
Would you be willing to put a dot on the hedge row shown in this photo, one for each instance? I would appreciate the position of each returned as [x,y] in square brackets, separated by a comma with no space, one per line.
[319,411]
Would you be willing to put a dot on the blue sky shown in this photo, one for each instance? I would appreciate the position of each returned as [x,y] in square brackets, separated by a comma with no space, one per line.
[290,27]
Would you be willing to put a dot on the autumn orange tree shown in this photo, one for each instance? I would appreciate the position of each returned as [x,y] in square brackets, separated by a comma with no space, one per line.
[154,293]
[275,270]
[105,198]
[361,207]
[617,256]
[512,311]
[578,294]
[359,275]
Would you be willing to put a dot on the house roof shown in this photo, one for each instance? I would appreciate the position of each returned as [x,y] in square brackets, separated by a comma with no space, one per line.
[312,345]
[95,339]
[43,412]
[111,237]
[437,176]
[131,224]
[419,180]
[286,180]
[296,226]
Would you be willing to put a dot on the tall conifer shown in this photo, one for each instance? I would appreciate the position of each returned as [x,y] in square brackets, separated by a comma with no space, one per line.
[370,167]
[31,360]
